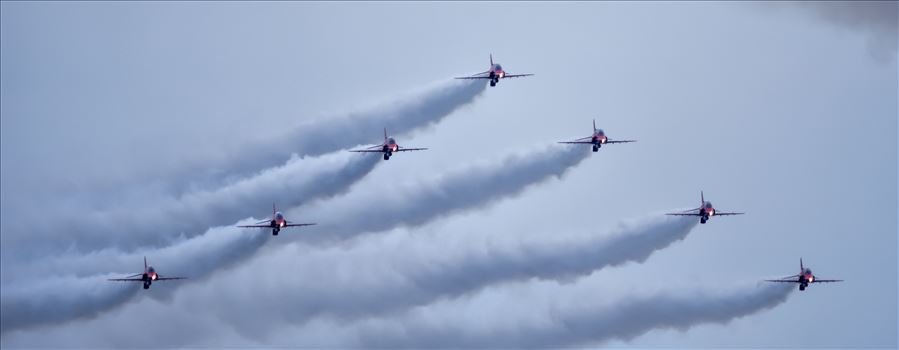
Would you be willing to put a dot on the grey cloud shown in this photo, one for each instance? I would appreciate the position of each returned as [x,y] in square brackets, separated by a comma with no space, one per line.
[879,20]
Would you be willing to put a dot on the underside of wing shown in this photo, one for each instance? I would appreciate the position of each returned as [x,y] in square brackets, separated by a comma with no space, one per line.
[472,77]
[621,141]
[410,149]
[683,214]
[125,279]
[517,75]
[367,150]
[825,281]
[783,281]
[726,213]
[253,226]
[576,142]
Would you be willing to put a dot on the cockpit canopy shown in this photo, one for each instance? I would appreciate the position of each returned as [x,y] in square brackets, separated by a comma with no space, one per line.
[497,67]
[709,205]
[150,269]
[279,215]
[391,141]
[600,132]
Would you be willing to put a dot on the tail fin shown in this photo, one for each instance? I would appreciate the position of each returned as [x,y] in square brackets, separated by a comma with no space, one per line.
[145,263]
[801,267]
[274,210]
[702,199]
[385,136]
[491,60]
[594,125]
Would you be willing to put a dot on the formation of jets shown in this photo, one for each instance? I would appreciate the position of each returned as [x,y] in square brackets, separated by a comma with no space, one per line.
[389,146]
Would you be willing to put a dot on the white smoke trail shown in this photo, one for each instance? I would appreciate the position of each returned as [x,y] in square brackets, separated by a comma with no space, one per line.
[513,174]
[416,270]
[79,289]
[406,113]
[156,223]
[540,317]
[385,207]
[218,183]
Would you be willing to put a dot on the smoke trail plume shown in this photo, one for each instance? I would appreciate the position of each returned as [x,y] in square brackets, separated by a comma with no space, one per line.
[79,288]
[556,316]
[418,269]
[407,113]
[508,177]
[299,181]
[214,180]
[415,204]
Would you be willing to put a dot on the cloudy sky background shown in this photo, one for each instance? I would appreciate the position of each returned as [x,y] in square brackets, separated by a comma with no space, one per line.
[133,129]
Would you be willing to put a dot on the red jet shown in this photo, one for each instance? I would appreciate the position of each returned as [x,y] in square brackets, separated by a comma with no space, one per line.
[704,212]
[276,223]
[388,147]
[804,277]
[598,139]
[148,276]
[495,73]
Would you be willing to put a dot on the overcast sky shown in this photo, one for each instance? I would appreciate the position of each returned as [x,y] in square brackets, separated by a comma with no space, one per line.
[151,128]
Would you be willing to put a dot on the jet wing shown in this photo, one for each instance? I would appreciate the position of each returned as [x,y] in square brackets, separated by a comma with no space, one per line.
[516,75]
[825,281]
[582,140]
[481,75]
[367,150]
[158,278]
[783,281]
[290,224]
[129,278]
[402,149]
[254,226]
[620,141]
[684,214]
[726,213]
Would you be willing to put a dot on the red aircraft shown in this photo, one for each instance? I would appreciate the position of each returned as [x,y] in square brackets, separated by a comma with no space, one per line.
[598,139]
[804,277]
[388,147]
[704,212]
[147,277]
[495,73]
[276,223]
